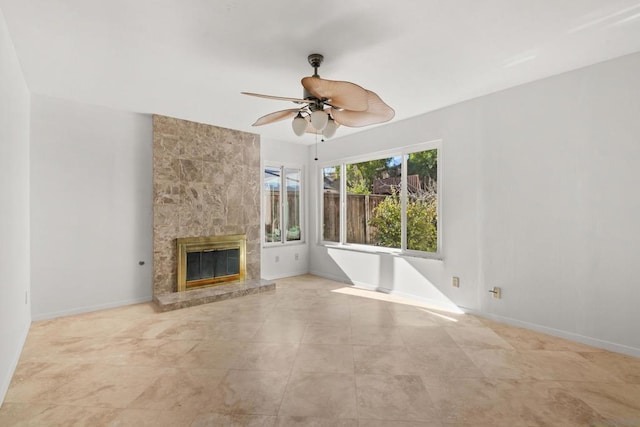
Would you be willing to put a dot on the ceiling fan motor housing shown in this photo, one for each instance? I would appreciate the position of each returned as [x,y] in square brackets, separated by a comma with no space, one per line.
[315,60]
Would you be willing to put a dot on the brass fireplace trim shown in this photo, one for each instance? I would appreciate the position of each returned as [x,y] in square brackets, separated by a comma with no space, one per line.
[198,244]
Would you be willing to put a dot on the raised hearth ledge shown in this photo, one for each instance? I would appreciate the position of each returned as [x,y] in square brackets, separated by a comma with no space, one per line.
[177,300]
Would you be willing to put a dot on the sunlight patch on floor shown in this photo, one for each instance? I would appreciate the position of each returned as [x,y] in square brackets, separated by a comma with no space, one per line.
[364,293]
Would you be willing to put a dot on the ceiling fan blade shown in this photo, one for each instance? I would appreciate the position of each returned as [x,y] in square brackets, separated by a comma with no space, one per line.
[345,95]
[378,112]
[279,98]
[276,117]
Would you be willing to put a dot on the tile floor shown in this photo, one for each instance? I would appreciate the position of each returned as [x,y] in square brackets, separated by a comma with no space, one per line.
[308,355]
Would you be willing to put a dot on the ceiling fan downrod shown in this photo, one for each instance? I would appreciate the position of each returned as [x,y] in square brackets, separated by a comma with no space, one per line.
[315,60]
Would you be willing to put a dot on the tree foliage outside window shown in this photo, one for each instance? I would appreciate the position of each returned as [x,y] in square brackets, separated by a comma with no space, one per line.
[422,222]
[424,164]
[361,176]
[373,203]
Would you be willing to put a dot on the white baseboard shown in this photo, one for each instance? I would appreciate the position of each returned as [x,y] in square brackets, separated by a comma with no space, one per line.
[571,336]
[282,275]
[89,308]
[594,342]
[331,277]
[6,381]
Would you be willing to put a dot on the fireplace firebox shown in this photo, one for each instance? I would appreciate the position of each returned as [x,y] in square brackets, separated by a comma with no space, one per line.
[209,261]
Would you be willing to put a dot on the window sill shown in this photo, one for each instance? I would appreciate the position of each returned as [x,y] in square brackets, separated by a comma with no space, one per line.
[280,244]
[381,250]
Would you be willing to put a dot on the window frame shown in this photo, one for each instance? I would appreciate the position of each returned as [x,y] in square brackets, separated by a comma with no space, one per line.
[402,152]
[283,167]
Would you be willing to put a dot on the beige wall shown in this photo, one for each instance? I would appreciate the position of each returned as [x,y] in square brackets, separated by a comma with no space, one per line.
[206,182]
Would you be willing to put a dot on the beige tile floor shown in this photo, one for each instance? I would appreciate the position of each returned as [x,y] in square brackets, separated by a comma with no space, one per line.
[308,355]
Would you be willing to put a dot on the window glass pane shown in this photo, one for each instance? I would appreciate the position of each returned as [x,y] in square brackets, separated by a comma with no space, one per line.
[422,201]
[373,202]
[272,221]
[292,204]
[331,204]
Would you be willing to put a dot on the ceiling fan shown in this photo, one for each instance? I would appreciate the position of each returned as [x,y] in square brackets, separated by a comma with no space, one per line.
[327,104]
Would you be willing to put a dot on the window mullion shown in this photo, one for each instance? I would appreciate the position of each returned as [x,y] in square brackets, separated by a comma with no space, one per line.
[283,198]
[343,203]
[403,204]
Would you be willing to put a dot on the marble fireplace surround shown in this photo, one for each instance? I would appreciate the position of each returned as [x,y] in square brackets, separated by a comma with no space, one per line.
[206,182]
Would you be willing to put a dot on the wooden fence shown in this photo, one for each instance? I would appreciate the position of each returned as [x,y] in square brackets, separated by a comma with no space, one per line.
[360,209]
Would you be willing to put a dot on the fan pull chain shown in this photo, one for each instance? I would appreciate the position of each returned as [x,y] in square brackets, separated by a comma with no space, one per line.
[321,140]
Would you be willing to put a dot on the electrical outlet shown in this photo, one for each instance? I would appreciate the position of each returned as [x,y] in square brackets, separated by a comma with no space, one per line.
[296,257]
[455,282]
[497,292]
[277,258]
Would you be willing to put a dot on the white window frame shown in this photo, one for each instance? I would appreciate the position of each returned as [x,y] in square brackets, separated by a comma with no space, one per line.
[283,235]
[402,152]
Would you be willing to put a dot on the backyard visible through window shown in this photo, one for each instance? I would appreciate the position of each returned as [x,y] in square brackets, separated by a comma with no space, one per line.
[331,204]
[292,204]
[272,181]
[282,204]
[422,201]
[378,202]
[370,185]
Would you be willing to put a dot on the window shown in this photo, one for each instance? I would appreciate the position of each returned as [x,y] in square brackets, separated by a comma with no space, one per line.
[282,207]
[385,201]
[331,204]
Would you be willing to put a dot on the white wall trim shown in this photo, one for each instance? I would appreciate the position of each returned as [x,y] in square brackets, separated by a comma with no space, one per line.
[595,342]
[330,276]
[6,381]
[90,308]
[283,274]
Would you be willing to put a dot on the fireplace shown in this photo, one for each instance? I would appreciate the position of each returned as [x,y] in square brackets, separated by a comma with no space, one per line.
[209,261]
[206,182]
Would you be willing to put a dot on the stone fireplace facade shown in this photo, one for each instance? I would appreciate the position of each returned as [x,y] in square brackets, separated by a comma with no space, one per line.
[206,182]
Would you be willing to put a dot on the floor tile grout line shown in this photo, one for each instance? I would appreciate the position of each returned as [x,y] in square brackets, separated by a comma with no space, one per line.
[321,295]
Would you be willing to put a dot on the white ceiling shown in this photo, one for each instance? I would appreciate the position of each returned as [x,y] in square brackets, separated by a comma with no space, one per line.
[192,58]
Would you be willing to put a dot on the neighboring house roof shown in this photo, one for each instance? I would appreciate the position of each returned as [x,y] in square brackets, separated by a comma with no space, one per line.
[386,185]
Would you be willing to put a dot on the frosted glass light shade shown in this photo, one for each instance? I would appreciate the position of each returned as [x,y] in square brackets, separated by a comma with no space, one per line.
[319,119]
[299,125]
[330,128]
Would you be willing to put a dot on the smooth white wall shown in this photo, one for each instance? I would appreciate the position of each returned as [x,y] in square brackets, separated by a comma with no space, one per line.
[538,198]
[421,278]
[287,154]
[559,219]
[91,207]
[15,310]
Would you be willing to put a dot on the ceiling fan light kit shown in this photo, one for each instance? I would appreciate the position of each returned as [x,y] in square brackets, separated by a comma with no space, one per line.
[327,104]
[319,119]
[330,129]
[299,125]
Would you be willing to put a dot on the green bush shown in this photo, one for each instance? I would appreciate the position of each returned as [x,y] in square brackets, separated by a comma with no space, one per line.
[422,221]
